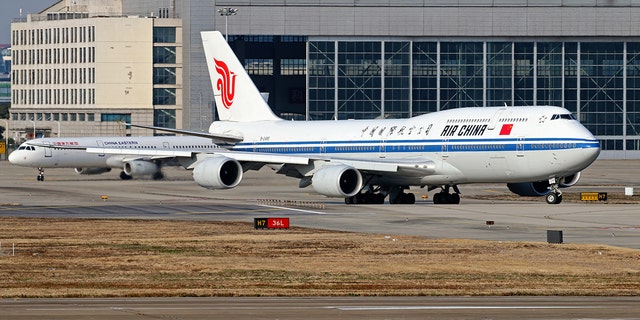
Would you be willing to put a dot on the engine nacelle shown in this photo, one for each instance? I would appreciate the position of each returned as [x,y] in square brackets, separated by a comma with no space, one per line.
[529,189]
[138,168]
[337,181]
[569,181]
[541,188]
[91,170]
[218,173]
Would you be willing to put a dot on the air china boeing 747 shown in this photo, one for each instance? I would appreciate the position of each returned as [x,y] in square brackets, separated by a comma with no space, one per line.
[534,150]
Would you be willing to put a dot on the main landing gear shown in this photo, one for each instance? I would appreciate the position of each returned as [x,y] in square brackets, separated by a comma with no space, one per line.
[125,176]
[555,195]
[444,197]
[40,174]
[377,196]
[366,198]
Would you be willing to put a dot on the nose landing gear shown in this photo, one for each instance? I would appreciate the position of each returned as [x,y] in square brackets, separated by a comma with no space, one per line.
[555,195]
[40,174]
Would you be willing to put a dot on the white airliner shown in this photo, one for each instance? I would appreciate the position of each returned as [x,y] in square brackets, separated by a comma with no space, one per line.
[534,150]
[136,156]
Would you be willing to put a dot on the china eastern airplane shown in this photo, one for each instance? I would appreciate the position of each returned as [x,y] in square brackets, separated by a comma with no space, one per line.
[136,156]
[534,150]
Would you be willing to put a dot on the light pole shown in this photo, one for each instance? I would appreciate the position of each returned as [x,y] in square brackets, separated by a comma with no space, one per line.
[226,12]
[34,128]
[58,122]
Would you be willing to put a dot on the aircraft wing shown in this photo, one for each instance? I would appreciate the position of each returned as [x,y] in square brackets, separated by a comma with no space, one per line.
[420,166]
[217,137]
[402,166]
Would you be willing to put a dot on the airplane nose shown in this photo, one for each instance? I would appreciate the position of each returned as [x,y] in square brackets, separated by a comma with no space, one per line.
[592,153]
[17,157]
[13,157]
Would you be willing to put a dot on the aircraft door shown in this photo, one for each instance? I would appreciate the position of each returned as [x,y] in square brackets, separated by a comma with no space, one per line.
[445,148]
[48,151]
[100,145]
[383,149]
[520,147]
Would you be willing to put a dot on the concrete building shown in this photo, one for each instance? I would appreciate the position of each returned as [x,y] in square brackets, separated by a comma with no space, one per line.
[340,59]
[86,67]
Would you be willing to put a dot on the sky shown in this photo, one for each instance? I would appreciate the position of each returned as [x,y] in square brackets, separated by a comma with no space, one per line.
[10,9]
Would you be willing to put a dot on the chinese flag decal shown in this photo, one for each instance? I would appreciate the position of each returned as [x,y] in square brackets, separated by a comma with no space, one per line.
[506,129]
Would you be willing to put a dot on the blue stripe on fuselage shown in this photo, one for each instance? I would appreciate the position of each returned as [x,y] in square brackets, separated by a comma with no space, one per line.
[391,146]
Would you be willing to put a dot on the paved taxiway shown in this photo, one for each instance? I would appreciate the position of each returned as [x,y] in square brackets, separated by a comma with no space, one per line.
[65,194]
[407,308]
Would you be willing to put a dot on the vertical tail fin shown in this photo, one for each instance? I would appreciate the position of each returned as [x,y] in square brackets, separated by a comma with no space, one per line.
[237,98]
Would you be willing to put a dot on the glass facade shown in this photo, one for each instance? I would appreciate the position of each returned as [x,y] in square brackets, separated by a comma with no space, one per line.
[165,77]
[165,118]
[164,35]
[598,81]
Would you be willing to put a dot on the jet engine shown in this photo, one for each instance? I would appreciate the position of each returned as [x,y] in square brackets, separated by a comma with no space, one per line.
[541,188]
[218,173]
[337,181]
[138,168]
[569,181]
[91,170]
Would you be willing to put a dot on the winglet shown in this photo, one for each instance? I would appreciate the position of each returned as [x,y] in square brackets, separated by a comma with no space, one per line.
[237,98]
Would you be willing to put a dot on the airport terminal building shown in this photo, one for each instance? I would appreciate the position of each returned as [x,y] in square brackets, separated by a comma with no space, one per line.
[361,59]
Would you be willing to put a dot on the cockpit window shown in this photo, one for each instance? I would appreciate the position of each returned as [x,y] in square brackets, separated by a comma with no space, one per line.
[566,116]
[30,148]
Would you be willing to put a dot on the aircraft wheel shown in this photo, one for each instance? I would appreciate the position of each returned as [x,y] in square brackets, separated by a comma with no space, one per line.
[437,198]
[453,198]
[158,176]
[553,198]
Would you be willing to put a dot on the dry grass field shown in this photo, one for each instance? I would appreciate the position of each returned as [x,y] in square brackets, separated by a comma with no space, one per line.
[125,258]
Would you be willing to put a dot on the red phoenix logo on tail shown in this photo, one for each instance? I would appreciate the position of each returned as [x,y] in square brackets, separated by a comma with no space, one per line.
[226,84]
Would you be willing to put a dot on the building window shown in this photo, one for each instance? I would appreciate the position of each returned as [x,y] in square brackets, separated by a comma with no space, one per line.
[164,75]
[116,117]
[396,79]
[164,96]
[321,80]
[293,67]
[258,38]
[259,66]
[165,118]
[359,79]
[601,87]
[164,35]
[164,54]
